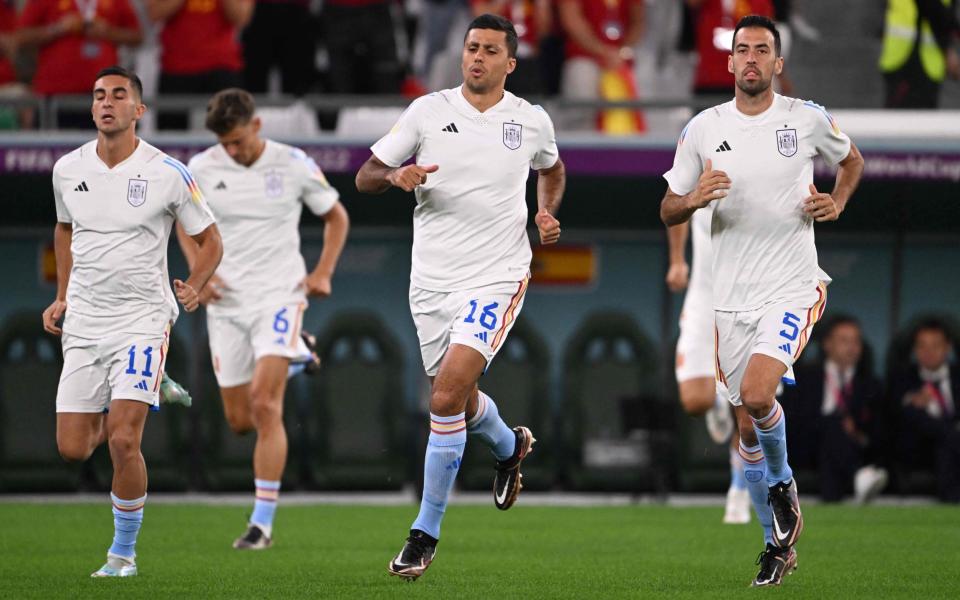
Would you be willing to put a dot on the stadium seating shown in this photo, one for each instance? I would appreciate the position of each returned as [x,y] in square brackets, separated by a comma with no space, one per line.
[518,380]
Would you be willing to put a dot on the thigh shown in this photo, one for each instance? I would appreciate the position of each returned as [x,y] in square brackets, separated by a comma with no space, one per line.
[276,331]
[270,379]
[485,317]
[84,385]
[79,430]
[129,416]
[231,351]
[135,364]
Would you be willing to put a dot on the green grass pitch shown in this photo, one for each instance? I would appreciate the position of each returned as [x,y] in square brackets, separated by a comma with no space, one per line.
[644,551]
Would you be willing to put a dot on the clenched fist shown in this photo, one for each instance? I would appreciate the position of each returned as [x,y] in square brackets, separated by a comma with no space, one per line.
[409,177]
[713,185]
[549,227]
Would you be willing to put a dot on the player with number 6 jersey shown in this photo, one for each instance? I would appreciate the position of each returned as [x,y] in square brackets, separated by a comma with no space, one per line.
[752,160]
[474,148]
[117,198]
[256,300]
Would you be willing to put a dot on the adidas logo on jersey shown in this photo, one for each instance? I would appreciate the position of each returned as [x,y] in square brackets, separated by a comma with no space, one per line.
[82,187]
[451,128]
[482,336]
[220,186]
[786,348]
[724,147]
[142,385]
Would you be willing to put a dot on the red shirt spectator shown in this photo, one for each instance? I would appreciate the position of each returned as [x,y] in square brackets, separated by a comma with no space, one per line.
[77,38]
[615,23]
[524,16]
[712,74]
[8,24]
[200,37]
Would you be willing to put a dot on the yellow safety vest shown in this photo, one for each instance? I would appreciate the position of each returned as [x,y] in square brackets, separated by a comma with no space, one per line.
[900,36]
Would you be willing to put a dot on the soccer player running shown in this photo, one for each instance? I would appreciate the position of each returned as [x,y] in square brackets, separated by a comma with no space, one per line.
[255,302]
[752,159]
[474,146]
[695,361]
[117,198]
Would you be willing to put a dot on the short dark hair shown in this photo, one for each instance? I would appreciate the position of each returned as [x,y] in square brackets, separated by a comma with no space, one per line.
[832,323]
[228,109]
[127,74]
[932,323]
[757,21]
[496,23]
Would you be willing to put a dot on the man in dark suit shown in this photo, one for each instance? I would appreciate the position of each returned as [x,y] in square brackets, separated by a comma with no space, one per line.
[927,395]
[834,410]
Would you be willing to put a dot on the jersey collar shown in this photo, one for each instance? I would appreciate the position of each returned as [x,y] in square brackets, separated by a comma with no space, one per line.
[464,104]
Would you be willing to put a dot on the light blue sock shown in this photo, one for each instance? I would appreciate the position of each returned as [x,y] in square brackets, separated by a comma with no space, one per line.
[754,471]
[491,430]
[265,504]
[737,480]
[127,518]
[448,438]
[772,435]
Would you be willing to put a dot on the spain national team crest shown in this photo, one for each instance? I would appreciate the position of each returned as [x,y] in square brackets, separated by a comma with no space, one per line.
[136,192]
[512,135]
[274,184]
[787,142]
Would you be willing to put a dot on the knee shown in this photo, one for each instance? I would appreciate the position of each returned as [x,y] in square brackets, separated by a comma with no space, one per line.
[124,443]
[756,400]
[266,409]
[446,403]
[72,451]
[696,405]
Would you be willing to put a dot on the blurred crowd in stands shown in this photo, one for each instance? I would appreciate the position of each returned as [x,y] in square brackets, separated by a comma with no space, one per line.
[580,49]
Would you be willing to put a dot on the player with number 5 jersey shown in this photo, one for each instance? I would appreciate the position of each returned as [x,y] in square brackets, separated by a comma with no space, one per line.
[474,148]
[256,300]
[752,160]
[117,198]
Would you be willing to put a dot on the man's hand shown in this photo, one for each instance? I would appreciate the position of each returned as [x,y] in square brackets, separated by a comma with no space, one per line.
[409,177]
[52,315]
[920,399]
[187,296]
[318,284]
[69,23]
[678,276]
[549,227]
[97,29]
[213,291]
[822,207]
[712,185]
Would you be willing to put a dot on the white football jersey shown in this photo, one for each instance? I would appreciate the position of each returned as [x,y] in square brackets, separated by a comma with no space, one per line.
[469,226]
[121,220]
[701,267]
[762,241]
[258,212]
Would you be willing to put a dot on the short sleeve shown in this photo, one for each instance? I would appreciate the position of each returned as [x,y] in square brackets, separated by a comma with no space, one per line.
[831,143]
[403,140]
[186,201]
[316,192]
[547,154]
[687,164]
[63,215]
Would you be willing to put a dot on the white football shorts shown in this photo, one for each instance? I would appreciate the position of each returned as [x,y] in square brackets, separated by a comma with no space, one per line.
[780,330]
[480,318]
[696,357]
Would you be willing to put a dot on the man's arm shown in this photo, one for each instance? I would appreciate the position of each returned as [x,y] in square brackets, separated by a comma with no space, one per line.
[678,274]
[712,185]
[238,12]
[550,185]
[827,207]
[62,238]
[161,10]
[209,251]
[41,35]
[375,177]
[336,226]
[577,27]
[124,36]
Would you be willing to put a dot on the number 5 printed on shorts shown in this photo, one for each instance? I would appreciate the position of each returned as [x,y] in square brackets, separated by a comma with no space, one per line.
[792,322]
[488,318]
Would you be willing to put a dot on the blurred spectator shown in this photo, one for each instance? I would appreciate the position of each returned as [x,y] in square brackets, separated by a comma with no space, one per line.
[362,44]
[835,415]
[280,35]
[532,20]
[917,53]
[927,393]
[715,22]
[76,39]
[9,86]
[200,51]
[601,35]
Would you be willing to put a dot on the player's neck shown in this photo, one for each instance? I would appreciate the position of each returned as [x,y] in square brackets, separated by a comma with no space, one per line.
[482,101]
[256,155]
[753,105]
[114,149]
